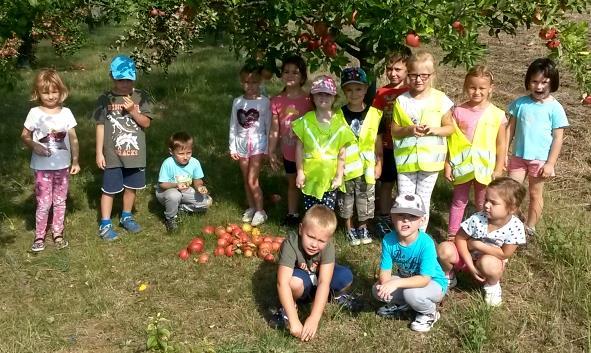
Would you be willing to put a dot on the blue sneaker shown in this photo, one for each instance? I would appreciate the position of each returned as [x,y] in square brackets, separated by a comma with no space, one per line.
[107,232]
[130,224]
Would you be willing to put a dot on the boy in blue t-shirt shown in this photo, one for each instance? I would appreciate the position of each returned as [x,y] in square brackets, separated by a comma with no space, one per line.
[420,282]
[180,184]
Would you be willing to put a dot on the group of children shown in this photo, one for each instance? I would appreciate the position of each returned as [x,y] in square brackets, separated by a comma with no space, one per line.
[334,158]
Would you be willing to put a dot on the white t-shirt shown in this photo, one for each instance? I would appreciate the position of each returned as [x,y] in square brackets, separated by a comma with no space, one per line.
[51,131]
[476,227]
[414,107]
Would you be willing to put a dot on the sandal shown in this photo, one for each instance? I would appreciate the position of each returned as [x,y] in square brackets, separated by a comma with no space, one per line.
[38,245]
[60,242]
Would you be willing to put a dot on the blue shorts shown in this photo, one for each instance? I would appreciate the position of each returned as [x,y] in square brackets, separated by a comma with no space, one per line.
[117,179]
[289,166]
[329,199]
[342,277]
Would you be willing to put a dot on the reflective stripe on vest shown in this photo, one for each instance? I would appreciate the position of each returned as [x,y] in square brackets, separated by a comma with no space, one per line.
[476,160]
[320,151]
[425,153]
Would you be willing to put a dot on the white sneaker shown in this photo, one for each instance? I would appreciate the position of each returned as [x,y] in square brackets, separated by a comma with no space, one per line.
[452,280]
[424,322]
[493,295]
[259,218]
[248,214]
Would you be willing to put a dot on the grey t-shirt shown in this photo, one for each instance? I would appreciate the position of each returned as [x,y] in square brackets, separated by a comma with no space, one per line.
[292,254]
[125,141]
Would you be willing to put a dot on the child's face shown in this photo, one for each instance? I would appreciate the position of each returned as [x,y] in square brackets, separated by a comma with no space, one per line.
[182,154]
[478,89]
[251,84]
[323,101]
[420,76]
[406,225]
[396,73]
[50,98]
[123,87]
[539,86]
[313,238]
[291,76]
[355,93]
[495,206]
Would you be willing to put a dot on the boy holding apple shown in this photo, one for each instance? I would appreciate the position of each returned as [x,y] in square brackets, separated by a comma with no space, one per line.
[180,183]
[307,271]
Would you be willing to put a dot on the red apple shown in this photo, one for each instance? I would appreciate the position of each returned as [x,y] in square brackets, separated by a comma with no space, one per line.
[197,240]
[219,251]
[208,230]
[268,239]
[553,44]
[183,254]
[222,242]
[304,38]
[229,251]
[413,40]
[275,198]
[219,231]
[327,38]
[257,240]
[587,100]
[457,25]
[264,249]
[203,258]
[313,44]
[195,248]
[320,28]
[236,232]
[547,33]
[248,252]
[269,258]
[244,238]
[275,246]
[229,229]
[330,49]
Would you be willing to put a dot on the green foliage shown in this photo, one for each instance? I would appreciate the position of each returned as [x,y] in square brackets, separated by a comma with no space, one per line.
[158,335]
[474,332]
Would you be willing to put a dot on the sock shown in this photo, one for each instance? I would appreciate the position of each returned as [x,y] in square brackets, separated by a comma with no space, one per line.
[125,214]
[105,222]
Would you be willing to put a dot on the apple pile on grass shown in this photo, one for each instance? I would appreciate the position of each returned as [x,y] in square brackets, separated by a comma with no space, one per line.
[245,240]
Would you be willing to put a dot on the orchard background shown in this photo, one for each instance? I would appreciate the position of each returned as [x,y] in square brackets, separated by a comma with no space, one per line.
[88,299]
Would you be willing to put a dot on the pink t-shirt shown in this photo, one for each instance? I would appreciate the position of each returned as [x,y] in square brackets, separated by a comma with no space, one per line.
[467,118]
[287,110]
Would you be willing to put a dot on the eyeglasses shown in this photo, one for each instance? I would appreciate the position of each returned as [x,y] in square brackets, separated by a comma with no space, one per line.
[424,77]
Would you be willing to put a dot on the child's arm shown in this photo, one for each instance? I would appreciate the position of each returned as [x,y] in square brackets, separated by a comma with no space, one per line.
[501,253]
[100,139]
[462,246]
[548,168]
[284,275]
[446,128]
[75,167]
[412,130]
[37,148]
[501,151]
[133,110]
[447,170]
[510,133]
[300,176]
[338,179]
[273,139]
[232,141]
[200,186]
[325,273]
[379,156]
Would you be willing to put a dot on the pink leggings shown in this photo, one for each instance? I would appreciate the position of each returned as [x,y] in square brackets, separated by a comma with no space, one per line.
[51,188]
[460,200]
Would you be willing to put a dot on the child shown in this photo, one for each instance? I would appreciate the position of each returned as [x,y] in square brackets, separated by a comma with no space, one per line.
[49,132]
[420,283]
[384,100]
[320,150]
[363,157]
[476,149]
[287,106]
[421,122]
[487,239]
[250,123]
[180,184]
[307,271]
[537,122]
[121,116]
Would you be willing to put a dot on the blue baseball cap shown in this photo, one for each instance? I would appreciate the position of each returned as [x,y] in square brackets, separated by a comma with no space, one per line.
[123,68]
[353,75]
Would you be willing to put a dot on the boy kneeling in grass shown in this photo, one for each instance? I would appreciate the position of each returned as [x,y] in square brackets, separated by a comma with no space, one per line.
[420,283]
[307,271]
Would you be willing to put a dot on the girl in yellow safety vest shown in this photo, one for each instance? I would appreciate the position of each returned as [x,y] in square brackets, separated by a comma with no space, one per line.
[320,150]
[421,122]
[476,149]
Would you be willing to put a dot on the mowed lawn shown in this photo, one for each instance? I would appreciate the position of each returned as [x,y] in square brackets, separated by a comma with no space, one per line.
[86,298]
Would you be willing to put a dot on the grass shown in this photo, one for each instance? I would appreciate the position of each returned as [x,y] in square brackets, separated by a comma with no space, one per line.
[86,298]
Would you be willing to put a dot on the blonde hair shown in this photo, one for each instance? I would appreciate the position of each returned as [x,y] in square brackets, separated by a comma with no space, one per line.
[321,216]
[45,80]
[479,71]
[423,58]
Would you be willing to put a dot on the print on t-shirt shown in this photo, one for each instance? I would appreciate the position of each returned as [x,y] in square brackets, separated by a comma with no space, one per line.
[247,118]
[125,130]
[407,267]
[54,141]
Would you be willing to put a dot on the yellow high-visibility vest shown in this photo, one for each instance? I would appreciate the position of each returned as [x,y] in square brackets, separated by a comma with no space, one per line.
[321,150]
[476,160]
[426,153]
[360,156]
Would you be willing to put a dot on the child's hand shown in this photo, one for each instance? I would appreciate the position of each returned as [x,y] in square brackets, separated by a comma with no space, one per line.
[74,168]
[41,150]
[385,290]
[377,171]
[476,274]
[309,329]
[547,171]
[300,179]
[417,130]
[235,156]
[100,161]
[202,190]
[295,328]
[182,186]
[128,104]
[449,175]
[336,182]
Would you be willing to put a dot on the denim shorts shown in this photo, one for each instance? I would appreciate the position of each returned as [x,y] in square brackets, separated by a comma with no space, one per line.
[117,179]
[342,277]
